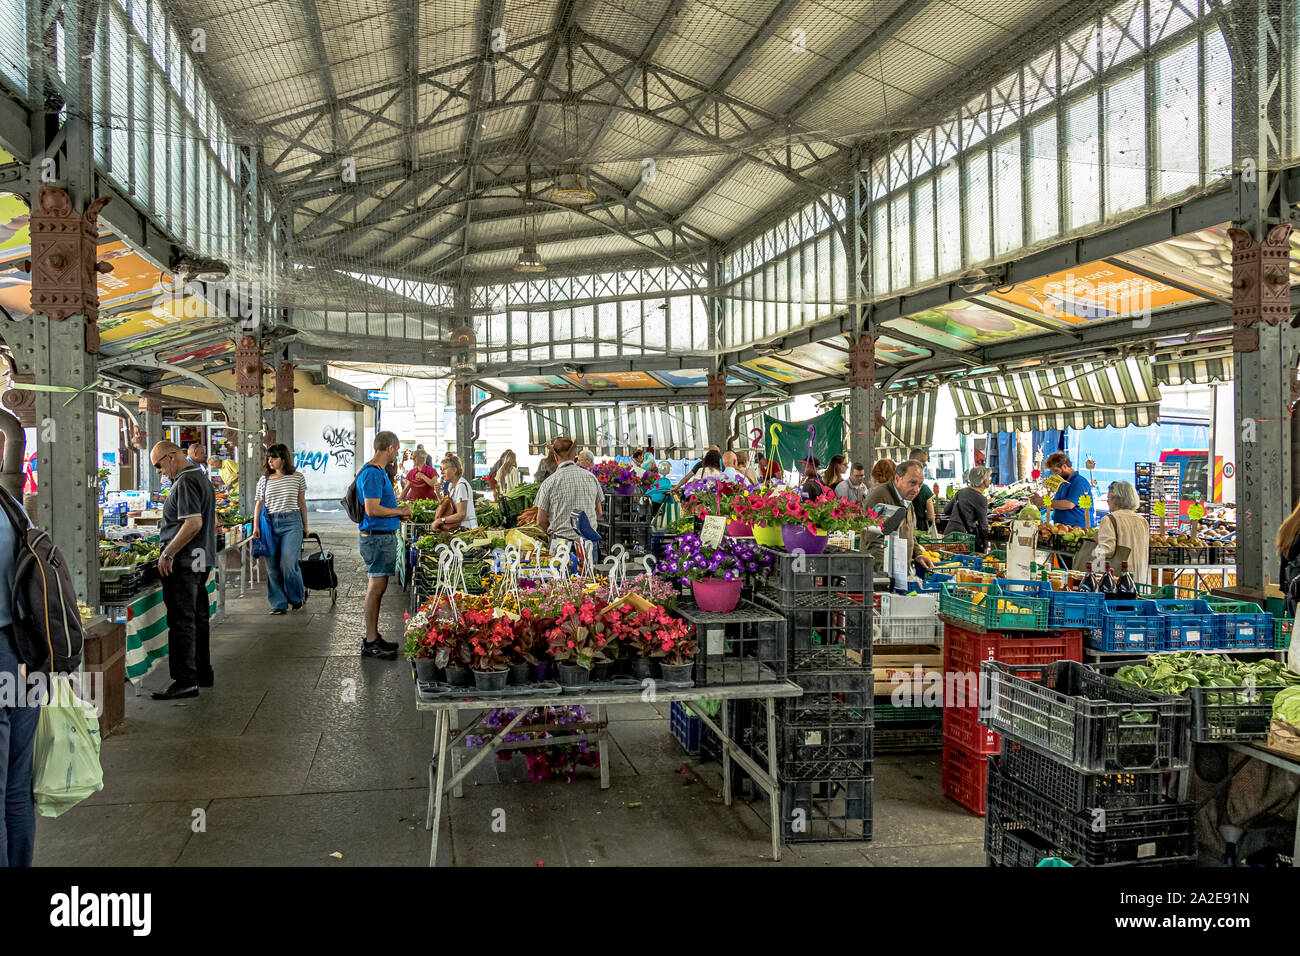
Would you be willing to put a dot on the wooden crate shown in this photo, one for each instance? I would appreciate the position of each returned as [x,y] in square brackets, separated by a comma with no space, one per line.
[104,652]
[898,668]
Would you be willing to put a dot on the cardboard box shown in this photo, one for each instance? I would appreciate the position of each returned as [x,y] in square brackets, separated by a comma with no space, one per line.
[104,652]
[1284,739]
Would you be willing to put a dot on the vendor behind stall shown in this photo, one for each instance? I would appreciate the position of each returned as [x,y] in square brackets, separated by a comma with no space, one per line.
[1072,503]
[900,491]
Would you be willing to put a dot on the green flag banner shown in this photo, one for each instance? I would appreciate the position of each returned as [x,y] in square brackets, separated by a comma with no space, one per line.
[787,442]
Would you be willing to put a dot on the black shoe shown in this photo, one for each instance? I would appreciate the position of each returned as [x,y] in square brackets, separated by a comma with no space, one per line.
[279,610]
[205,680]
[298,606]
[377,650]
[175,691]
[386,645]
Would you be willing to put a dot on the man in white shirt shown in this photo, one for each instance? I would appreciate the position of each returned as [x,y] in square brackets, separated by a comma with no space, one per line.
[572,488]
[729,470]
[854,487]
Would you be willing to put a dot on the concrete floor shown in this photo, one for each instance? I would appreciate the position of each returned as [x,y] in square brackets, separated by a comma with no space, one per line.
[303,750]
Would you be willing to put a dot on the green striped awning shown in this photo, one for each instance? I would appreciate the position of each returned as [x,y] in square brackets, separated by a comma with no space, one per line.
[909,422]
[1193,366]
[679,431]
[146,630]
[1086,395]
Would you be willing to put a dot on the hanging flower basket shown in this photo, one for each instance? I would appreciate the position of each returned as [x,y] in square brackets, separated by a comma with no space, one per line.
[797,537]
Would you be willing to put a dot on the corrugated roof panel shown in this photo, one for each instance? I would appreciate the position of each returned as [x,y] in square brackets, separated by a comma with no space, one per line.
[628,25]
[526,18]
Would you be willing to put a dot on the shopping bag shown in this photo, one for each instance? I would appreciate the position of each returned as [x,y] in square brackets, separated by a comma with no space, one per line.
[65,767]
[265,545]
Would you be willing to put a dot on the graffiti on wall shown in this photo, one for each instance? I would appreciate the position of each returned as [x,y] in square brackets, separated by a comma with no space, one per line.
[337,448]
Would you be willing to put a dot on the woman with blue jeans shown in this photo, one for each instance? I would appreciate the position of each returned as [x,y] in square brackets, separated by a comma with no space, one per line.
[19,713]
[282,491]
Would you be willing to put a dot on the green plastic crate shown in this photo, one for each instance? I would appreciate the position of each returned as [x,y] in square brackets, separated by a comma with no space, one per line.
[985,614]
[959,537]
[887,713]
[1281,634]
[1171,592]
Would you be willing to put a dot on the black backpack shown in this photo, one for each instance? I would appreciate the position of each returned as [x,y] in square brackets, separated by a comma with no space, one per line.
[47,622]
[351,501]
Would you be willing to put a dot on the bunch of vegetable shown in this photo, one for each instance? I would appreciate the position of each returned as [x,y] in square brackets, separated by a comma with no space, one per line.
[489,515]
[230,519]
[423,510]
[526,494]
[1175,673]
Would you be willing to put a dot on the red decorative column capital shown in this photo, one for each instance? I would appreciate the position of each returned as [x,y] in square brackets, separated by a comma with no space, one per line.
[21,401]
[862,362]
[1261,283]
[63,267]
[284,386]
[463,404]
[718,392]
[248,367]
[150,404]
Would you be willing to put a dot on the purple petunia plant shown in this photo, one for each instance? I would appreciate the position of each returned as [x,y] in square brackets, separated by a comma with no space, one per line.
[688,559]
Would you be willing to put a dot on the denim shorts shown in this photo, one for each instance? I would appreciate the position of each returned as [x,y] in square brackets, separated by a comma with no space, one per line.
[379,551]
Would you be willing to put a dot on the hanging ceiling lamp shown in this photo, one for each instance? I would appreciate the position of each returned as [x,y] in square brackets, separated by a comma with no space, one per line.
[571,188]
[529,260]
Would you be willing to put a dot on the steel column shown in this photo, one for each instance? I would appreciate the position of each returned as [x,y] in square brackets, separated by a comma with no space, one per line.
[717,415]
[152,428]
[465,428]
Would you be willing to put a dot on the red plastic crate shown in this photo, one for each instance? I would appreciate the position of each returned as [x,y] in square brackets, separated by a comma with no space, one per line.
[961,725]
[965,776]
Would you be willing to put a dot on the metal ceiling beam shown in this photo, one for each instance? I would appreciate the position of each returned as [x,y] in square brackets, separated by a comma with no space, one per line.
[491,13]
[970,359]
[808,98]
[324,72]
[636,71]
[412,26]
[566,15]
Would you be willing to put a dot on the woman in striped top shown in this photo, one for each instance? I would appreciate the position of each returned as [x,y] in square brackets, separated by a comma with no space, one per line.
[282,491]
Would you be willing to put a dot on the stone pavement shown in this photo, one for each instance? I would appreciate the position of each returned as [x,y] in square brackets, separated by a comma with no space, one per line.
[287,771]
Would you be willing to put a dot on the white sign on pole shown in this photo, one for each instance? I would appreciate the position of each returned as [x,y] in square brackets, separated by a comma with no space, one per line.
[900,555]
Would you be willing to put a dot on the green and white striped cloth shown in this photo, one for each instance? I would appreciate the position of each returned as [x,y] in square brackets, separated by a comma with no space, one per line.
[146,630]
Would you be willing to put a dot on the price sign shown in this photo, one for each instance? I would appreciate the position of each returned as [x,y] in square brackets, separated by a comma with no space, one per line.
[1196,511]
[1158,509]
[714,528]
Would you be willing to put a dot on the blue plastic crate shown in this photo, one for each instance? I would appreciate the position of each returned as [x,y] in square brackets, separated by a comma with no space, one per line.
[1246,631]
[1075,609]
[931,584]
[685,726]
[1129,626]
[1190,626]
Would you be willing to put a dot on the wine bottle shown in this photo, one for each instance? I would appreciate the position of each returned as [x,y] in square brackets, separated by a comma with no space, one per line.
[1126,587]
[1089,583]
[1107,585]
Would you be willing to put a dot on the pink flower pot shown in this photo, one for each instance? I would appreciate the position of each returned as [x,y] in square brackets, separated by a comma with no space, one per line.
[769,535]
[797,537]
[738,529]
[717,596]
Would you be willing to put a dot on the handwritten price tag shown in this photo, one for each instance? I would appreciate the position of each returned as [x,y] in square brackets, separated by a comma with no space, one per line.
[714,527]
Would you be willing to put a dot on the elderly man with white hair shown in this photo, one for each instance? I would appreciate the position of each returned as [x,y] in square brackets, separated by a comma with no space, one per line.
[1124,528]
[729,470]
[586,461]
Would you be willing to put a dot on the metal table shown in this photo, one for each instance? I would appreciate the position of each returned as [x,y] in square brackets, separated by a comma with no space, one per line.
[1289,764]
[448,710]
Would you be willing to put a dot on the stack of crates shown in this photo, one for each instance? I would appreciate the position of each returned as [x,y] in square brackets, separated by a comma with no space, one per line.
[909,622]
[1081,771]
[627,520]
[1008,621]
[825,738]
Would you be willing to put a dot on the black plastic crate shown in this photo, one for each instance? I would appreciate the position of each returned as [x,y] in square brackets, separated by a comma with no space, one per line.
[1080,792]
[1159,833]
[119,585]
[821,745]
[628,509]
[744,646]
[636,538]
[1006,847]
[824,811]
[835,570]
[826,630]
[841,689]
[1084,719]
[1221,714]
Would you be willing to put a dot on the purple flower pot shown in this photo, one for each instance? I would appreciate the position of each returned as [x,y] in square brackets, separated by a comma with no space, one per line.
[624,488]
[717,596]
[797,537]
[738,529]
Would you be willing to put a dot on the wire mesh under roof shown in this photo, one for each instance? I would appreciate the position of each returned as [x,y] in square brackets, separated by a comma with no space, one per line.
[443,112]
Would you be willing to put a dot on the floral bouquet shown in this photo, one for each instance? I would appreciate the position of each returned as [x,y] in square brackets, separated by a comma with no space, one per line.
[612,474]
[688,560]
[714,496]
[832,513]
[772,508]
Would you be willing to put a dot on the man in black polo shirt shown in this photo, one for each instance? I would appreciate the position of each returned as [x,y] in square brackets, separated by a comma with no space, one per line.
[187,534]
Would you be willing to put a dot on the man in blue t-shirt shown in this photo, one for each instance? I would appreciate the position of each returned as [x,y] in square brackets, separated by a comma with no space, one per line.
[379,538]
[1072,503]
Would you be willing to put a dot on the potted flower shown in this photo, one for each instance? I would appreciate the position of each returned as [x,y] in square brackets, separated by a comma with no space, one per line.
[577,642]
[419,648]
[766,513]
[490,645]
[715,496]
[616,478]
[527,652]
[820,516]
[656,635]
[715,574]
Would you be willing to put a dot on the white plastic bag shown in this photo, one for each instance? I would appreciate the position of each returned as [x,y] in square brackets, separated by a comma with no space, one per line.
[66,766]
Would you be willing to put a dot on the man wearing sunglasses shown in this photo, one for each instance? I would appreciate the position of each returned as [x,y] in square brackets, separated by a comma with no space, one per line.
[187,534]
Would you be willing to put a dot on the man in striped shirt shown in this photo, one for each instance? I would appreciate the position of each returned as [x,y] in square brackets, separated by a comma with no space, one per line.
[570,489]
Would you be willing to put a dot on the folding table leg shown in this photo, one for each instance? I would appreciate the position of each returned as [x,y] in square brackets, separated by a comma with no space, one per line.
[726,754]
[602,717]
[437,790]
[438,718]
[774,798]
[455,753]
